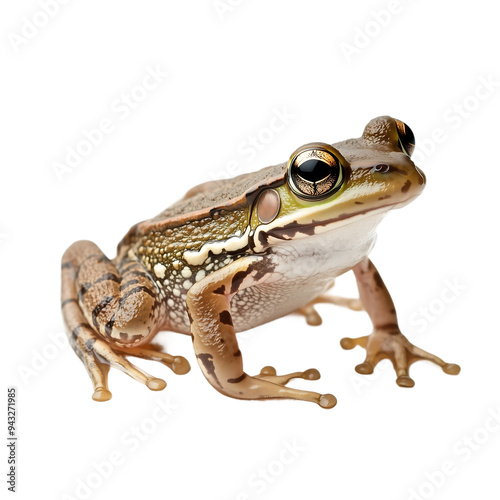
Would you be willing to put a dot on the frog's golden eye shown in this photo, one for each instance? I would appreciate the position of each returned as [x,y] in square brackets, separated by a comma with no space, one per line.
[406,138]
[314,172]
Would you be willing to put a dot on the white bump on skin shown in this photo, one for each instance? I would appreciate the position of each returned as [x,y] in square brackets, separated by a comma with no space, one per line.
[176,292]
[159,270]
[176,264]
[187,284]
[200,275]
[197,257]
[186,272]
[170,302]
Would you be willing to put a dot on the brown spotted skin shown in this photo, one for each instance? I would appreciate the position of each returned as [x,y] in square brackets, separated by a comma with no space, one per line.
[224,259]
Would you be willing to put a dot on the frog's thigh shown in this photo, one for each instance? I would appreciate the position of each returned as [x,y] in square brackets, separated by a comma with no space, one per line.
[120,305]
[215,343]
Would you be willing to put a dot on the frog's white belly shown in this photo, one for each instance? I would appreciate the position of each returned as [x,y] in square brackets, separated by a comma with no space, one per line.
[301,270]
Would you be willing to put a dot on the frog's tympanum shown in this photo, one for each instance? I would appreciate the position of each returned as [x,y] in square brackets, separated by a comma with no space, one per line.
[237,253]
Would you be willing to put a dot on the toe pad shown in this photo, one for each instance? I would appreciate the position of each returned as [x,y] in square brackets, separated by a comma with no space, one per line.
[451,369]
[364,368]
[405,381]
[327,401]
[101,394]
[156,384]
[180,366]
[347,343]
[311,374]
[268,370]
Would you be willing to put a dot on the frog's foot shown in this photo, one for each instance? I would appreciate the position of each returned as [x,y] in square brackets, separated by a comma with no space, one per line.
[269,373]
[98,356]
[312,316]
[395,346]
[105,305]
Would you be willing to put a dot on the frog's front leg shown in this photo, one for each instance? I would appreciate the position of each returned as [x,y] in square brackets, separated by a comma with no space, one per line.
[386,341]
[209,307]
[110,313]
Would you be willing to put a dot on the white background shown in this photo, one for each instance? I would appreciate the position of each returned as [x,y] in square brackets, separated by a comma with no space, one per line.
[229,72]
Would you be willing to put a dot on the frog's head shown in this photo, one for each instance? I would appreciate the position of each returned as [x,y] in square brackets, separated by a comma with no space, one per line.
[327,186]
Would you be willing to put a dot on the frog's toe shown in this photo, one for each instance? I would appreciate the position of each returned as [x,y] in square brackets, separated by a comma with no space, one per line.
[348,343]
[268,370]
[97,369]
[312,316]
[364,368]
[156,384]
[405,381]
[269,373]
[451,369]
[355,304]
[417,354]
[327,401]
[117,360]
[311,374]
[101,394]
[178,364]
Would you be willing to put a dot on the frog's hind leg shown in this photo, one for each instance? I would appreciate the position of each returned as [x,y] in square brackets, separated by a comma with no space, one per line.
[105,309]
[312,316]
[214,340]
[97,371]
[97,357]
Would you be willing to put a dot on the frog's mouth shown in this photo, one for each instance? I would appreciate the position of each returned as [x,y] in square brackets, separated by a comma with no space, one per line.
[296,229]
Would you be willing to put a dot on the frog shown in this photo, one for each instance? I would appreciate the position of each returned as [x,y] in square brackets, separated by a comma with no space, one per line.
[238,253]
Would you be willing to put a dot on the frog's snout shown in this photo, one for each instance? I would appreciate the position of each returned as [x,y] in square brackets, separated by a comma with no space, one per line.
[422,175]
[419,179]
[413,184]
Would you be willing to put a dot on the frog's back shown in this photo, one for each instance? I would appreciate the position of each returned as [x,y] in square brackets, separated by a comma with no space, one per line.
[217,208]
[222,194]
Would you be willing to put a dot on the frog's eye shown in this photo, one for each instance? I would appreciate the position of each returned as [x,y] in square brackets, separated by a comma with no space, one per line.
[406,138]
[314,172]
